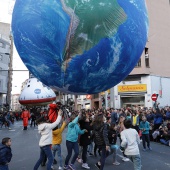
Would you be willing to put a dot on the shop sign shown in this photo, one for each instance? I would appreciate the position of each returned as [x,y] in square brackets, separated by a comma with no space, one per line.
[132,88]
[103,93]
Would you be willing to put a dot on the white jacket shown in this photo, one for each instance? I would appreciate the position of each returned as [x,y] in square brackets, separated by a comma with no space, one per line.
[130,141]
[45,129]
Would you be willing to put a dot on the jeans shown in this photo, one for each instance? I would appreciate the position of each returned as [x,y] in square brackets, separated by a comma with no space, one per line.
[90,147]
[104,155]
[163,141]
[136,161]
[146,139]
[57,148]
[45,150]
[84,154]
[71,146]
[114,149]
[4,167]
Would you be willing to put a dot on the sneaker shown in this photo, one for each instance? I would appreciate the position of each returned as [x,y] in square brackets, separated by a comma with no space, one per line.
[125,159]
[72,167]
[116,163]
[85,165]
[66,167]
[90,154]
[52,168]
[60,168]
[79,160]
[97,165]
[54,162]
[9,128]
[144,149]
[149,148]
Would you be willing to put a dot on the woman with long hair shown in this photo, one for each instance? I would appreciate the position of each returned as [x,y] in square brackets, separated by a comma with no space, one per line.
[100,131]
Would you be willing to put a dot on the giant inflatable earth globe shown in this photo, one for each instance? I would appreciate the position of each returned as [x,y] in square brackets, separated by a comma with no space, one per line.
[80,46]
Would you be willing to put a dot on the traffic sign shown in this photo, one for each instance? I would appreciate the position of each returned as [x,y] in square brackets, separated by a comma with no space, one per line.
[154,97]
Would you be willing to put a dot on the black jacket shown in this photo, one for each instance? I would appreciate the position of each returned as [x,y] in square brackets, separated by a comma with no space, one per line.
[101,135]
[85,139]
[112,139]
[5,154]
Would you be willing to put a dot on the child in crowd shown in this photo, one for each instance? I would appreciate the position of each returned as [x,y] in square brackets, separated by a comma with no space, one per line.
[45,130]
[130,141]
[112,135]
[56,143]
[5,153]
[72,141]
[144,127]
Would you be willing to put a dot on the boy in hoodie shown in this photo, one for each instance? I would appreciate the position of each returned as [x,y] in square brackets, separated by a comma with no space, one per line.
[45,130]
[144,127]
[56,143]
[5,153]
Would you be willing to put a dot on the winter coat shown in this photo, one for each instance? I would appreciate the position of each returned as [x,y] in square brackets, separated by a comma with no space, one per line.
[45,130]
[74,130]
[101,135]
[85,139]
[25,116]
[5,154]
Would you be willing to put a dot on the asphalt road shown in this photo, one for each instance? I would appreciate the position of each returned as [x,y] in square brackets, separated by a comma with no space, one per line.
[25,151]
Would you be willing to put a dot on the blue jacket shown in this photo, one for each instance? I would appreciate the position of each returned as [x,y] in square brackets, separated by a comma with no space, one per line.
[144,125]
[167,115]
[114,118]
[5,154]
[158,118]
[74,131]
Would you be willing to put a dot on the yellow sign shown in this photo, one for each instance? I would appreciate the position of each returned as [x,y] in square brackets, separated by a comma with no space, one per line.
[132,88]
[103,93]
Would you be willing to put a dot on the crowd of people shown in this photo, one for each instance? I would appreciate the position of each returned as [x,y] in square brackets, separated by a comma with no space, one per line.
[96,131]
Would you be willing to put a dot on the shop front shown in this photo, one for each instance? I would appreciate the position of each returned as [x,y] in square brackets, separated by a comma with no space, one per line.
[132,95]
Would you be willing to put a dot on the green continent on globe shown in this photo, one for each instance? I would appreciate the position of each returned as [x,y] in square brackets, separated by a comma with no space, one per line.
[91,21]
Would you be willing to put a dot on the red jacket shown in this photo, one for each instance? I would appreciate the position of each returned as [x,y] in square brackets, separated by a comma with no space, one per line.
[52,114]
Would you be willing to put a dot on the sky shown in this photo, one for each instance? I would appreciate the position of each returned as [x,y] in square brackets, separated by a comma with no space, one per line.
[6,8]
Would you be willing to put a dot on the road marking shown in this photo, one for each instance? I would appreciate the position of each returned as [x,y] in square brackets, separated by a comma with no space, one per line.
[12,130]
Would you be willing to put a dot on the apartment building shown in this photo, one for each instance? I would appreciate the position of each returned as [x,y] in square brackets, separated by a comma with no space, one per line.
[5,63]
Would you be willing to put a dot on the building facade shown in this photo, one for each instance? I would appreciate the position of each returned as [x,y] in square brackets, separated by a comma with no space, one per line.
[5,64]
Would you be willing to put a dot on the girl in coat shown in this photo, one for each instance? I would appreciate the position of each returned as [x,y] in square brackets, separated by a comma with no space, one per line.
[45,130]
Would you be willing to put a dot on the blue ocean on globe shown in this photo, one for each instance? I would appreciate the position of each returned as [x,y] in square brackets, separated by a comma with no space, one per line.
[80,46]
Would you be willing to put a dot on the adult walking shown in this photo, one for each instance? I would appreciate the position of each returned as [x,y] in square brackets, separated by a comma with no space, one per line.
[25,117]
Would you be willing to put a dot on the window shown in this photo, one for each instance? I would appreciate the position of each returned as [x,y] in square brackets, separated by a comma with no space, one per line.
[146,57]
[138,63]
[96,96]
